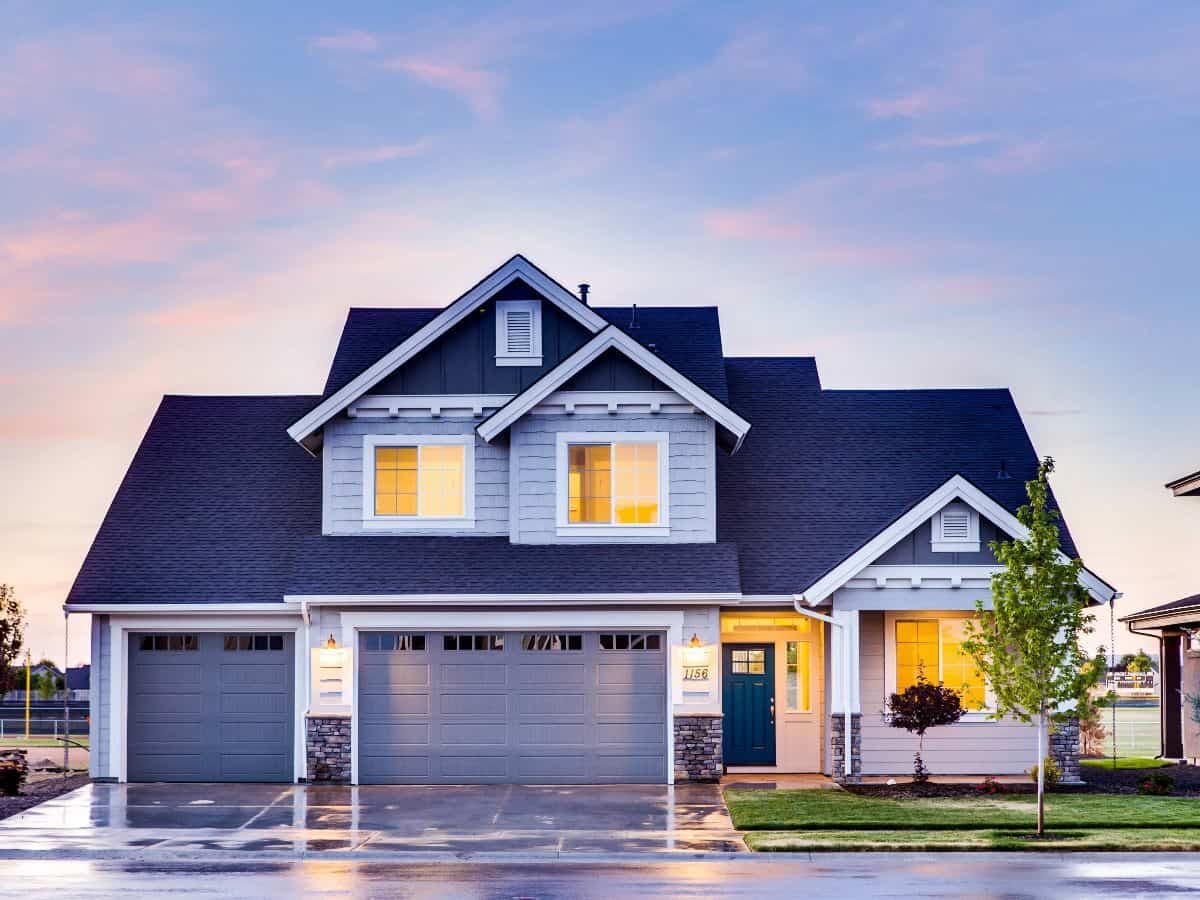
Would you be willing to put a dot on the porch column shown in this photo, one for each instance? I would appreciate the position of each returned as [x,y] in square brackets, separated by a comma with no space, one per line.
[845,697]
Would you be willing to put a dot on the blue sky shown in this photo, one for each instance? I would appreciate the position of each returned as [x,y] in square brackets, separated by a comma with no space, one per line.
[919,195]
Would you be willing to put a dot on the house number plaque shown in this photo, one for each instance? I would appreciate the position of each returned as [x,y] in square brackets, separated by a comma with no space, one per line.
[695,673]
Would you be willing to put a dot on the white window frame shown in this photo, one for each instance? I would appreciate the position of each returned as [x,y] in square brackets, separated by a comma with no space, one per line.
[969,544]
[889,659]
[565,439]
[506,357]
[408,523]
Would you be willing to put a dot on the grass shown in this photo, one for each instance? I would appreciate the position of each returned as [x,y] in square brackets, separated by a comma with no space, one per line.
[39,741]
[1129,762]
[1059,839]
[832,811]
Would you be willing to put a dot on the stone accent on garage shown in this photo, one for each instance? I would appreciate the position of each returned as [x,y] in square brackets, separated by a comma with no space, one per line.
[1064,750]
[699,754]
[837,748]
[327,743]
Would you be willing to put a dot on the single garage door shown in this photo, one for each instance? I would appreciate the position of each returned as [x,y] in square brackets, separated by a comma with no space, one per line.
[210,707]
[517,707]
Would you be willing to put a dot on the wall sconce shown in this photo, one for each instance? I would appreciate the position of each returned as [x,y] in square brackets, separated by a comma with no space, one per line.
[1193,636]
[695,653]
[331,654]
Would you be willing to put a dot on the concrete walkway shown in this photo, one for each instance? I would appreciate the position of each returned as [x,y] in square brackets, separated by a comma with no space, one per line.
[286,821]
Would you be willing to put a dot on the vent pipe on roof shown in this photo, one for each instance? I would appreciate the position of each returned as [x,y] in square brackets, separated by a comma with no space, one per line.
[583,292]
[633,318]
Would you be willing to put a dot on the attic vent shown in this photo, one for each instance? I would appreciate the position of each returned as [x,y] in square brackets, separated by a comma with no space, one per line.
[518,333]
[956,530]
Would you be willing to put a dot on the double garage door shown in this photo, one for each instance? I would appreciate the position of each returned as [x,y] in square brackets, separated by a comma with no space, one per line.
[210,707]
[519,707]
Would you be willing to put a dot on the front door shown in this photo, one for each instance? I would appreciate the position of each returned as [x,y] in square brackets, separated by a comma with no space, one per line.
[748,686]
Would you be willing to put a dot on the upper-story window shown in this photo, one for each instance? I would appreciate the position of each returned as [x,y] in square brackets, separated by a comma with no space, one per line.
[612,484]
[418,482]
[956,529]
[518,333]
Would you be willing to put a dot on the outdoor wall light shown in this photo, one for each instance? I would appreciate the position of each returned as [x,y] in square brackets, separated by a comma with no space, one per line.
[695,653]
[331,654]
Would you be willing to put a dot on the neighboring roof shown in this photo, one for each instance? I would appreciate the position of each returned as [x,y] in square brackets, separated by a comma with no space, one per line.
[823,472]
[613,338]
[79,678]
[220,506]
[1187,486]
[1188,605]
[398,564]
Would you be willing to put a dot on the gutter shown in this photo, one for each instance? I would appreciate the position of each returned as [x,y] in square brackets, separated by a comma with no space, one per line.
[802,608]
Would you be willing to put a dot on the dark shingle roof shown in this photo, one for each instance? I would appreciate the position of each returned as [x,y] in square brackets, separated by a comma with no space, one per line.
[379,564]
[220,506]
[689,339]
[1186,604]
[822,472]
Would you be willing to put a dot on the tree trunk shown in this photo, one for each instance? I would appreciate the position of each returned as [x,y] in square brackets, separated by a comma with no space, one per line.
[1041,770]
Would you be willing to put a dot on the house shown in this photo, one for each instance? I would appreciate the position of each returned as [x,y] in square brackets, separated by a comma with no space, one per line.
[1176,626]
[525,539]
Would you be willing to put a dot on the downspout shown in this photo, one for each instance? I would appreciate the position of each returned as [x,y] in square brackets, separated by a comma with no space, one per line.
[800,603]
[306,616]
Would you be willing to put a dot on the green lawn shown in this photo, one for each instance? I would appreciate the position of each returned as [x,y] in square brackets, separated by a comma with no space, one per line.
[813,810]
[980,839]
[39,741]
[1129,762]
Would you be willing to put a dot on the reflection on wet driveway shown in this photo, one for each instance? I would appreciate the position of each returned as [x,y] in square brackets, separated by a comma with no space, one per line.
[298,819]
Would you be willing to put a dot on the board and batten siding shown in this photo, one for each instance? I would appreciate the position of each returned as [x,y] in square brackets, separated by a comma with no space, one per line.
[988,747]
[343,493]
[99,695]
[691,474]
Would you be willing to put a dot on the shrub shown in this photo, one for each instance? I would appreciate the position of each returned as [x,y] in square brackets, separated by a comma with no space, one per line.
[1157,784]
[922,706]
[1053,773]
[991,786]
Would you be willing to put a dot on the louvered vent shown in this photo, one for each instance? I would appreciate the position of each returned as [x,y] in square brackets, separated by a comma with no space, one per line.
[518,326]
[956,525]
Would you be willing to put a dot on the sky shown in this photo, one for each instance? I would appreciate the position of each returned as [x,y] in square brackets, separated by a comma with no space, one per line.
[920,195]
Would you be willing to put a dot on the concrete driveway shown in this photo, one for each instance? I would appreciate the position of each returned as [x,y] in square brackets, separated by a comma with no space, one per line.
[148,820]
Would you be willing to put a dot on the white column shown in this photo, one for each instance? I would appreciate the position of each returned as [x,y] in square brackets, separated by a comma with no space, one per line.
[845,666]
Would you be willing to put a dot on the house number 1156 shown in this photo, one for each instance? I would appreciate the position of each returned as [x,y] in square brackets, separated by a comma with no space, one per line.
[695,673]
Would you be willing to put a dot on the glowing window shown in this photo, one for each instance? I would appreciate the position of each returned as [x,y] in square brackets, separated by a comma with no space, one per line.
[613,484]
[935,646]
[427,481]
[798,693]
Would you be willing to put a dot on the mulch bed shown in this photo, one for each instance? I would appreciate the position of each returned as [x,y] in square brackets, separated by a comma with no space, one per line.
[33,793]
[1098,781]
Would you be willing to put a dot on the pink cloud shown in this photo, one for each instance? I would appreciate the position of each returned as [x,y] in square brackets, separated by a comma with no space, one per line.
[1021,157]
[371,155]
[912,105]
[348,42]
[943,142]
[478,88]
[802,238]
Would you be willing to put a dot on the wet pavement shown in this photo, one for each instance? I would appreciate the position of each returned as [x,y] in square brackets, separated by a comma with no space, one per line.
[143,821]
[844,876]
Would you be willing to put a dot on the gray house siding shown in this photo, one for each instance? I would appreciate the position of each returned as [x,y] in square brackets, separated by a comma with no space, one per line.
[343,474]
[916,548]
[99,697]
[463,361]
[965,748]
[614,371]
[691,467]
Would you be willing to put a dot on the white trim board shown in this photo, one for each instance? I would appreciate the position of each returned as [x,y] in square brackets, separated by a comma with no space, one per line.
[517,267]
[612,338]
[956,488]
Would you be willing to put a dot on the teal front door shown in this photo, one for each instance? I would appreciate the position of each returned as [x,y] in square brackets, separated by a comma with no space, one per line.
[748,686]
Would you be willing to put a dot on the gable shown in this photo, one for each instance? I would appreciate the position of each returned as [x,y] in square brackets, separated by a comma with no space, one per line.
[916,548]
[613,371]
[463,360]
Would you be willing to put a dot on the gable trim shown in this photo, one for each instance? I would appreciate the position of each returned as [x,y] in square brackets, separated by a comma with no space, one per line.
[956,488]
[517,267]
[613,338]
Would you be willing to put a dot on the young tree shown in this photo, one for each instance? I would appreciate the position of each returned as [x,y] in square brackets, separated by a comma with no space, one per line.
[1139,663]
[12,636]
[918,708]
[1027,646]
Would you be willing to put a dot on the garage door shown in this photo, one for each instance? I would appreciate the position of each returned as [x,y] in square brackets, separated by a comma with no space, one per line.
[519,707]
[210,707]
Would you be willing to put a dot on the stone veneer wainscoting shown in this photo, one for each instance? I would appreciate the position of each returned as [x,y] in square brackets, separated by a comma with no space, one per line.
[327,746]
[837,747]
[1064,750]
[699,750]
